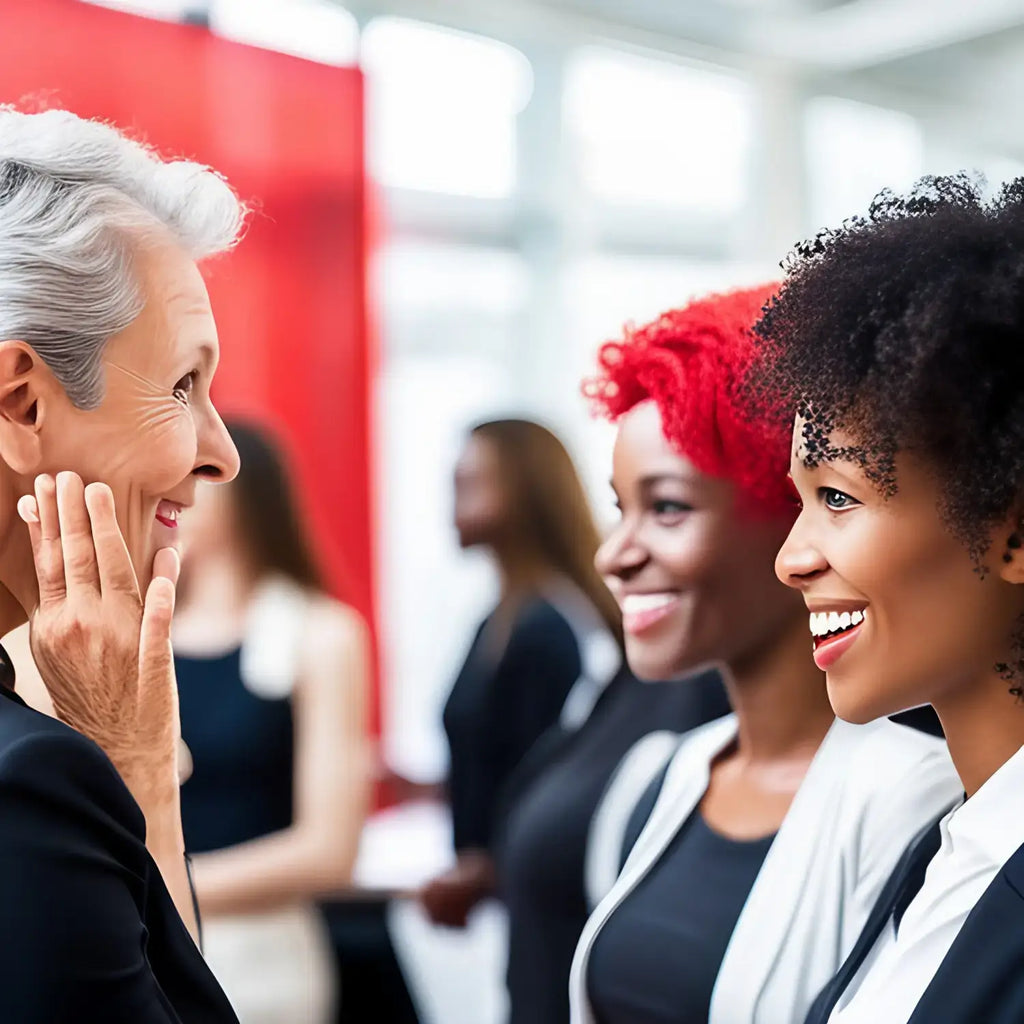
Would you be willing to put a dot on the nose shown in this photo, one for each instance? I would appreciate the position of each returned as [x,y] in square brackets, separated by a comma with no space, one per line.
[216,456]
[799,560]
[620,554]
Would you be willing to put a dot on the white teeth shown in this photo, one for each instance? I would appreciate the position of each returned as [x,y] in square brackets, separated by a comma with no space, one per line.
[824,623]
[634,604]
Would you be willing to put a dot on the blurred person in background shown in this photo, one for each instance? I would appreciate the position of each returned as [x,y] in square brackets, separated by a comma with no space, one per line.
[273,682]
[732,869]
[518,495]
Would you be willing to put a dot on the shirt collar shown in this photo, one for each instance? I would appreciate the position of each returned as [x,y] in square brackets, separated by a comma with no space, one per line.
[992,821]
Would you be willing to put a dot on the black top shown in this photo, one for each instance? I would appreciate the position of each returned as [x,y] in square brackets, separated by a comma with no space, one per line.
[500,703]
[90,933]
[552,800]
[657,957]
[980,979]
[232,796]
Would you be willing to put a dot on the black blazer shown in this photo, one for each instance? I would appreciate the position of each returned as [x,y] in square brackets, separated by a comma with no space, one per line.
[981,978]
[88,931]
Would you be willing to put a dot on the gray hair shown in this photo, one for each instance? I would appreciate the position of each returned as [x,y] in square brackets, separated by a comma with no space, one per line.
[73,196]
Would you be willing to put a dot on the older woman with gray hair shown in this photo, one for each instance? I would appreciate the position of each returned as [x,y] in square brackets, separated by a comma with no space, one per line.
[107,350]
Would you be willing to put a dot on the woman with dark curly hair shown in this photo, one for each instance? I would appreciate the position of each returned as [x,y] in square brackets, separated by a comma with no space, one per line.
[897,340]
[752,850]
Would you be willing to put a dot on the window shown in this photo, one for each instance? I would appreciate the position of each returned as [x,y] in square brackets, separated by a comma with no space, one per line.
[853,151]
[444,297]
[442,108]
[315,29]
[650,132]
[169,10]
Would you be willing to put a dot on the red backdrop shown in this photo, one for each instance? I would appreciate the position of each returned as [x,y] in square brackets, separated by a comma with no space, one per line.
[291,301]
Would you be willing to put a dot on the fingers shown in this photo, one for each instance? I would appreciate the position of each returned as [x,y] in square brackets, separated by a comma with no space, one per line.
[114,564]
[46,542]
[81,572]
[28,510]
[156,660]
[167,564]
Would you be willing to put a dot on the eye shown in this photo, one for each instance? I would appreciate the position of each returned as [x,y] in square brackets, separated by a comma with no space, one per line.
[183,389]
[836,501]
[670,508]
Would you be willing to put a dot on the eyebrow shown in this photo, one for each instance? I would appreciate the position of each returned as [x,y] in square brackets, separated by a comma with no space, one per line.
[649,482]
[653,479]
[832,466]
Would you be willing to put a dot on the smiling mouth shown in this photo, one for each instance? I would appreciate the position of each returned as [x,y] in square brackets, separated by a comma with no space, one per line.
[829,626]
[641,612]
[167,513]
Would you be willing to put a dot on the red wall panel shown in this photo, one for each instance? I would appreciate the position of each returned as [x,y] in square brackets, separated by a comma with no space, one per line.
[291,301]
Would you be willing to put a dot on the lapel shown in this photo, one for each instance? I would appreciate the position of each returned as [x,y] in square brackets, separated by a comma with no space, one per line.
[685,783]
[764,923]
[908,873]
[980,978]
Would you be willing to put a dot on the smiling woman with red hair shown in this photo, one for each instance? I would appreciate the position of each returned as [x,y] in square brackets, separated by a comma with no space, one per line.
[732,869]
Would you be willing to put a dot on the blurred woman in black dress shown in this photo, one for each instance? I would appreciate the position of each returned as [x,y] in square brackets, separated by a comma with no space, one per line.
[518,495]
[267,662]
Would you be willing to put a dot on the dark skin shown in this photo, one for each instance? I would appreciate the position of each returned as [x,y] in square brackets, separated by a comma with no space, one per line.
[480,520]
[935,626]
[686,536]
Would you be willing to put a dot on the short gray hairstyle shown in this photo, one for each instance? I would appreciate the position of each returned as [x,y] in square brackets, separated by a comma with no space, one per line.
[74,194]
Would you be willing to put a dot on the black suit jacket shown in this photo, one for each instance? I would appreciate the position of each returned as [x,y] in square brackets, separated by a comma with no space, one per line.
[88,931]
[981,978]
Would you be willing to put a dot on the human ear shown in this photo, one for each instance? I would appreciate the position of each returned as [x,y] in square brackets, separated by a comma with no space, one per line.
[22,381]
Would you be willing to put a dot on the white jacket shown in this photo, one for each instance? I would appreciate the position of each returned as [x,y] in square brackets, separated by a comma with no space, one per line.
[869,791]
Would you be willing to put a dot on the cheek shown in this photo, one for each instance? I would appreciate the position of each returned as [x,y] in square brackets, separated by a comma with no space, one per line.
[935,623]
[685,553]
[160,449]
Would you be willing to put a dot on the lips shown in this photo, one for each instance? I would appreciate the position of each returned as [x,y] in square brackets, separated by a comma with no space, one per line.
[641,612]
[167,514]
[834,633]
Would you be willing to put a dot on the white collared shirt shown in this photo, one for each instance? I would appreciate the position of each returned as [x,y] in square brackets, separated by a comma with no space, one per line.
[978,837]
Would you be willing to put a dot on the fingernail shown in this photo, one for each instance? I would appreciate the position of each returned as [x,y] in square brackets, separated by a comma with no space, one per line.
[27,509]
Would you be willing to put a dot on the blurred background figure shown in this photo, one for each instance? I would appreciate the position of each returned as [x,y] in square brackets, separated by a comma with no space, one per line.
[272,678]
[518,496]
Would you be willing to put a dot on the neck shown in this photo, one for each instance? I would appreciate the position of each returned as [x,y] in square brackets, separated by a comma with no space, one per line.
[984,727]
[780,699]
[520,573]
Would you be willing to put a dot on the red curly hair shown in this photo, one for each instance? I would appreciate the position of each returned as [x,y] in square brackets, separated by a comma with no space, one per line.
[690,361]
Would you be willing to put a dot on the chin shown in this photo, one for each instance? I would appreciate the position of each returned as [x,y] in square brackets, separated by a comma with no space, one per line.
[857,708]
[653,666]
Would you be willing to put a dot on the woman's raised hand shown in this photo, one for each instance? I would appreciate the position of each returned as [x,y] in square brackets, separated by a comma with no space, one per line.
[102,651]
